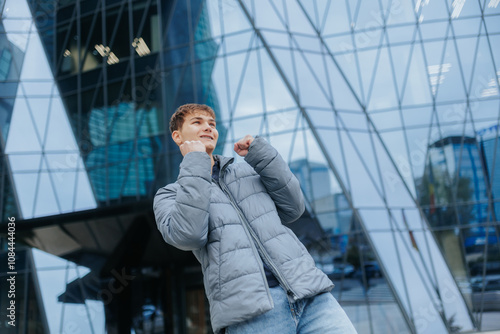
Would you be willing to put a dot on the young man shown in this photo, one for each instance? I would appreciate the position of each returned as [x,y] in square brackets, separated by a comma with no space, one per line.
[258,276]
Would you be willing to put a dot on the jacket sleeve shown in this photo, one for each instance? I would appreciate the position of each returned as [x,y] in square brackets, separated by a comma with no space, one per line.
[281,184]
[181,208]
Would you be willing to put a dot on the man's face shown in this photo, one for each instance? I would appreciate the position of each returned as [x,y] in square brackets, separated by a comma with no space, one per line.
[198,125]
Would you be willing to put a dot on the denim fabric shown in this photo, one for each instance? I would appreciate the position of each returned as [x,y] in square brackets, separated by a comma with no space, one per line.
[315,315]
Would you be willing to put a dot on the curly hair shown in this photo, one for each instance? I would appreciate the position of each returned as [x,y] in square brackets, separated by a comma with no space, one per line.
[177,119]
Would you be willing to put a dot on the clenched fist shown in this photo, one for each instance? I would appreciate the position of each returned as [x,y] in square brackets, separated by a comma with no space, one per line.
[242,145]
[192,146]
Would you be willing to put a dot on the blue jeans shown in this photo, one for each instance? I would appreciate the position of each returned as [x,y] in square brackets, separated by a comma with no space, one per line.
[315,315]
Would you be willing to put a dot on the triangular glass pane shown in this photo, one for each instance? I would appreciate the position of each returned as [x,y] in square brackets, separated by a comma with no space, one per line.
[451,86]
[396,192]
[22,135]
[24,162]
[491,23]
[432,30]
[278,96]
[287,65]
[266,17]
[221,89]
[343,45]
[250,94]
[367,65]
[401,12]
[347,64]
[282,144]
[369,16]
[368,39]
[310,92]
[486,110]
[387,120]
[237,42]
[276,38]
[401,57]
[64,183]
[26,184]
[395,142]
[323,7]
[15,9]
[353,121]
[491,7]
[237,67]
[414,117]
[39,109]
[363,174]
[343,95]
[383,94]
[297,20]
[248,125]
[436,70]
[453,116]
[46,202]
[495,40]
[233,17]
[298,147]
[35,65]
[466,48]
[416,85]
[466,27]
[418,142]
[432,10]
[313,151]
[322,118]
[484,79]
[464,8]
[59,133]
[311,11]
[400,34]
[335,149]
[280,121]
[317,63]
[307,43]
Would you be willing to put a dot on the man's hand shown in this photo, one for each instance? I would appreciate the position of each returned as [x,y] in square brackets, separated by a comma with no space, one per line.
[242,145]
[192,146]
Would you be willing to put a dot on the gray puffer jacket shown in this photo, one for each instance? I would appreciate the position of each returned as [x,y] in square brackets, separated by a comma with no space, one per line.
[235,224]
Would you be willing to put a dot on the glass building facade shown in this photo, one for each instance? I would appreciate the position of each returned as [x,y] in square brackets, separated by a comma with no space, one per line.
[386,111]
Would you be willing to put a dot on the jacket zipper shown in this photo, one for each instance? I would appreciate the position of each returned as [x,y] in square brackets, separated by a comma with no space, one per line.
[260,247]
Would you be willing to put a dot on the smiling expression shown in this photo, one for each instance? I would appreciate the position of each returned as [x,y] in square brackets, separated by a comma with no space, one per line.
[198,125]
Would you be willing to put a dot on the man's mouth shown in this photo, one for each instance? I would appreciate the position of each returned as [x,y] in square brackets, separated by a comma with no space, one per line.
[209,137]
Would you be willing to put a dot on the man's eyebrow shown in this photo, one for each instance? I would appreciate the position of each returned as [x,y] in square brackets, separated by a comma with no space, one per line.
[198,117]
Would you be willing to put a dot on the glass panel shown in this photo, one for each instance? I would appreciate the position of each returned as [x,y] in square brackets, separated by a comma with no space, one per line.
[383,91]
[434,30]
[338,18]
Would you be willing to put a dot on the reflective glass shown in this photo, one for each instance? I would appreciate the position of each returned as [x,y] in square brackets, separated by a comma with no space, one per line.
[466,27]
[434,30]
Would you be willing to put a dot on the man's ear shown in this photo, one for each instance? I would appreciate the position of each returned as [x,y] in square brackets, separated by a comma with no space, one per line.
[176,136]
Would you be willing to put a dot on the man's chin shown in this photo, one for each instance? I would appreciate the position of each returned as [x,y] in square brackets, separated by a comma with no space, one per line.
[209,147]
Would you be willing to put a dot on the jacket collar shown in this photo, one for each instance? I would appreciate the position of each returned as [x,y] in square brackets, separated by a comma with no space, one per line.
[223,161]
